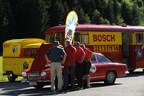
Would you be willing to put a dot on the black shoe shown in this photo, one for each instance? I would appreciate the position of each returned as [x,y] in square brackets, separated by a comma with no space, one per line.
[59,91]
[52,91]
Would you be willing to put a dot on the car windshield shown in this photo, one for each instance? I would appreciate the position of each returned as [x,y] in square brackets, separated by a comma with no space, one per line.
[97,58]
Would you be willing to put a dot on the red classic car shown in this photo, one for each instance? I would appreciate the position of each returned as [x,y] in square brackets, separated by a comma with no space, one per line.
[102,69]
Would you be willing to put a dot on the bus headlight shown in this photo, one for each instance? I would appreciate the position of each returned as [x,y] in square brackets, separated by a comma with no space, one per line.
[24,74]
[43,74]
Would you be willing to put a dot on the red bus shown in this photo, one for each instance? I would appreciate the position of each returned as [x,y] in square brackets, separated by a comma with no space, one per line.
[119,43]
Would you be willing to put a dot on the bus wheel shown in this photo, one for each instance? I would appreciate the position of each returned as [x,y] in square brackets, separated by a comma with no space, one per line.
[110,78]
[131,70]
[11,77]
[143,70]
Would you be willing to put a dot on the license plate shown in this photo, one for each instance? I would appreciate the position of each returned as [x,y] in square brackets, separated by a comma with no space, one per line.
[33,83]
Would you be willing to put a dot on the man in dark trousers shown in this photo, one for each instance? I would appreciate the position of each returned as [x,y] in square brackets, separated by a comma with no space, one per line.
[58,57]
[69,65]
[80,55]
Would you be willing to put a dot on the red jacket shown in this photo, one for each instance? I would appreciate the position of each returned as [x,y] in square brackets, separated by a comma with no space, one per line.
[71,53]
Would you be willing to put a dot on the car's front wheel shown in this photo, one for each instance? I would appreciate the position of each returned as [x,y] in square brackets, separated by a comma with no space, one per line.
[110,78]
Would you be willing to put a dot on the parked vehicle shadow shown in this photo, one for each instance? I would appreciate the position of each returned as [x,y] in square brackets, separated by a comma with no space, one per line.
[101,84]
[5,85]
[17,88]
[135,74]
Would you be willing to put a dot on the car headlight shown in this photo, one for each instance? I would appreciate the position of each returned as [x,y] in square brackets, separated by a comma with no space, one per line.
[24,74]
[43,74]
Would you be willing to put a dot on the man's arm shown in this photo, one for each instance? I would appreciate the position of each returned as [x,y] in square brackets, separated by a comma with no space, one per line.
[47,60]
[64,58]
[64,55]
[83,56]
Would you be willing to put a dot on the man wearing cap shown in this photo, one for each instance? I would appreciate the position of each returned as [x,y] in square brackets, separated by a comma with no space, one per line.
[69,65]
[58,57]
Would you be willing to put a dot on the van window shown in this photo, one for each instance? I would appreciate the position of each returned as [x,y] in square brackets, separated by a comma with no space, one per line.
[139,38]
[33,52]
[26,52]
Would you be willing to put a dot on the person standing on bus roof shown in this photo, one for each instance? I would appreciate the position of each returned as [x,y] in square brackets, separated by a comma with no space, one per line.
[69,65]
[58,57]
[80,55]
[86,66]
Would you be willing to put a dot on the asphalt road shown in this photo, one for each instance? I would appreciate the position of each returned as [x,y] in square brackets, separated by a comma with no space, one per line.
[131,85]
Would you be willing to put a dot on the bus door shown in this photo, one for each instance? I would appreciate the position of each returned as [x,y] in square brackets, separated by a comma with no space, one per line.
[127,48]
[137,50]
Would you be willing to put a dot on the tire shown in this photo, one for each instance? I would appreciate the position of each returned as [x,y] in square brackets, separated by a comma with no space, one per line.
[39,86]
[11,77]
[110,78]
[143,70]
[131,70]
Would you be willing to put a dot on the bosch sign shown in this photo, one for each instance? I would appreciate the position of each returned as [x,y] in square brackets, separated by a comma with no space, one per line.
[103,37]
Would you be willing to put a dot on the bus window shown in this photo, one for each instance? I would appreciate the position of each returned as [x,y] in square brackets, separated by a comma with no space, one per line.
[26,52]
[59,37]
[82,37]
[77,36]
[47,38]
[33,52]
[139,38]
[51,39]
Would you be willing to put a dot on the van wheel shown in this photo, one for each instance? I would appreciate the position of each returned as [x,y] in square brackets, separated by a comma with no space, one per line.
[11,77]
[110,78]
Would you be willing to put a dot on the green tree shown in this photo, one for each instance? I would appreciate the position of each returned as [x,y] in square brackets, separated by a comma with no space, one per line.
[135,15]
[83,17]
[98,19]
[110,12]
[57,13]
[117,13]
[44,6]
[126,13]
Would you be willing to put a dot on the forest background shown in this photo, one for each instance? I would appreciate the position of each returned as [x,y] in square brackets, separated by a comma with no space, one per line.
[31,18]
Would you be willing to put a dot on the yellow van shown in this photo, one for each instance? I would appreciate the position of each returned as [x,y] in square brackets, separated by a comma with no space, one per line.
[18,54]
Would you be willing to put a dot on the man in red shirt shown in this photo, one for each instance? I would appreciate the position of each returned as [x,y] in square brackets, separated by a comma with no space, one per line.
[86,66]
[69,65]
[80,55]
